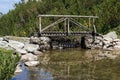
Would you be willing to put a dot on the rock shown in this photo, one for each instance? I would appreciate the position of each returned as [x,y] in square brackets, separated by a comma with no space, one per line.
[107,49]
[32,63]
[117,47]
[21,51]
[116,40]
[18,68]
[101,55]
[31,47]
[1,38]
[111,56]
[15,44]
[105,42]
[5,38]
[108,39]
[38,53]
[34,40]
[111,35]
[29,57]
[44,39]
[44,47]
[4,44]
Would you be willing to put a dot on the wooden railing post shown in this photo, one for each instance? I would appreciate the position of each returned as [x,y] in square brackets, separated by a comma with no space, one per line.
[68,27]
[40,24]
[65,26]
[89,23]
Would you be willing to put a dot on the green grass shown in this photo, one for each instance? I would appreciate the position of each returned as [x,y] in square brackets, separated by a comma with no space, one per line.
[7,64]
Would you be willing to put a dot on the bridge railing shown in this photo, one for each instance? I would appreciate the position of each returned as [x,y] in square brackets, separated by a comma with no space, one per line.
[67,19]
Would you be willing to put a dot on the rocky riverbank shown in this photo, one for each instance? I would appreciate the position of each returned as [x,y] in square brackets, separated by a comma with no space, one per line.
[30,49]
[109,42]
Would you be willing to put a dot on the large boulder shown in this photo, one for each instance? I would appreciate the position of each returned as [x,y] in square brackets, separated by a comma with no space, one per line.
[110,36]
[31,47]
[15,44]
[29,57]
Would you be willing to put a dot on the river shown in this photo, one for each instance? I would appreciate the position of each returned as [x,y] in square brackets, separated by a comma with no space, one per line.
[72,64]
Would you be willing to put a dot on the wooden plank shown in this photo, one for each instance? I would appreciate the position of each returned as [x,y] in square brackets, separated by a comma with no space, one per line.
[76,16]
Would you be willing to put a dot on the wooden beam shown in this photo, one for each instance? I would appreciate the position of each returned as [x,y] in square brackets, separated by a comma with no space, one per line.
[54,23]
[78,24]
[76,16]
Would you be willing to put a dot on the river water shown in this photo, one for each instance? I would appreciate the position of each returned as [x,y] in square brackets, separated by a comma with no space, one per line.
[72,64]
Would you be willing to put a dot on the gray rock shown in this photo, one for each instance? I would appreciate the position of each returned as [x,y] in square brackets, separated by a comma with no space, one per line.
[117,47]
[4,44]
[29,57]
[111,35]
[32,63]
[31,47]
[21,51]
[44,47]
[18,69]
[15,44]
[1,38]
[44,39]
[34,40]
[38,53]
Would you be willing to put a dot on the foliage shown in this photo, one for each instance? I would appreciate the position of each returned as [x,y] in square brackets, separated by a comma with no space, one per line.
[24,17]
[7,64]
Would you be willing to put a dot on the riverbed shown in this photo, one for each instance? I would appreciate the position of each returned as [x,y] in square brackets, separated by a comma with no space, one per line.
[72,64]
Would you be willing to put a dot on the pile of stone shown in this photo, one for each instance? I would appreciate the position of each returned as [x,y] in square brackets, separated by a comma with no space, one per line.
[109,41]
[28,51]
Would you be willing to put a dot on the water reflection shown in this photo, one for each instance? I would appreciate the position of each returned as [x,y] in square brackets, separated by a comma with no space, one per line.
[33,74]
[70,64]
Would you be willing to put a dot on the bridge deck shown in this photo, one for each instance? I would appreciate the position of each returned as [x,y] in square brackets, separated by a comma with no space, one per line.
[63,33]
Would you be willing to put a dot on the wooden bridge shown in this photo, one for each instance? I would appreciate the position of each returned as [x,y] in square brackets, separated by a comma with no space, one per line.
[68,22]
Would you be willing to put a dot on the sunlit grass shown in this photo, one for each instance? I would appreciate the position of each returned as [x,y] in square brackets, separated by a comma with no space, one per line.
[7,64]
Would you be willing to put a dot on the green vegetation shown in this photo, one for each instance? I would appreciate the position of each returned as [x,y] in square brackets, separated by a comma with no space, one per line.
[23,20]
[7,64]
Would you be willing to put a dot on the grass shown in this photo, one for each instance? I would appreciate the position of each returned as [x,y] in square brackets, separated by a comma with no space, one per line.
[7,64]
